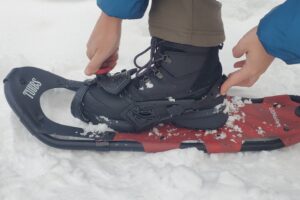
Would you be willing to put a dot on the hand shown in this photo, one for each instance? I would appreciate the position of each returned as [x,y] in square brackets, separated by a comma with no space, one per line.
[103,45]
[256,63]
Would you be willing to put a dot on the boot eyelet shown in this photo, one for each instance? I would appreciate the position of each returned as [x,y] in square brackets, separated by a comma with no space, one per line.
[167,59]
[158,74]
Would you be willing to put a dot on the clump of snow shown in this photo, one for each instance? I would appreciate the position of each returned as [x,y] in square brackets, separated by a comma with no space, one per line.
[191,141]
[221,136]
[171,130]
[171,99]
[95,131]
[198,135]
[141,88]
[233,110]
[260,131]
[247,101]
[233,140]
[221,107]
[150,133]
[156,131]
[149,84]
[101,118]
[235,104]
[210,132]
[277,105]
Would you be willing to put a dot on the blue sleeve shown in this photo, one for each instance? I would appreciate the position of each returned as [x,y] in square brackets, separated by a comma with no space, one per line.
[124,9]
[279,32]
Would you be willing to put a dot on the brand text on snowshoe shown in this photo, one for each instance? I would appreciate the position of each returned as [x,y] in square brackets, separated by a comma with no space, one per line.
[32,88]
[275,117]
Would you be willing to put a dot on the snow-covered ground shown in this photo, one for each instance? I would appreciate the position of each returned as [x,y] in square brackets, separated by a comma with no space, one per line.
[52,34]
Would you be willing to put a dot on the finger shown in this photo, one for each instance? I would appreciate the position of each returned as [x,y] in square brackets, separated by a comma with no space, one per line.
[234,79]
[116,56]
[103,70]
[239,50]
[94,65]
[113,58]
[111,65]
[240,64]
[250,82]
[245,83]
[90,53]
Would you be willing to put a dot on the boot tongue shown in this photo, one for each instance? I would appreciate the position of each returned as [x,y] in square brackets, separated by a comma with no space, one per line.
[179,64]
[177,47]
[181,60]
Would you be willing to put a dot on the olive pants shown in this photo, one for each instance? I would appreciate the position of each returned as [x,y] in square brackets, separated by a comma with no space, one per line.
[192,22]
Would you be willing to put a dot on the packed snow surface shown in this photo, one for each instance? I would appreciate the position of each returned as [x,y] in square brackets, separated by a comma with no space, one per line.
[52,35]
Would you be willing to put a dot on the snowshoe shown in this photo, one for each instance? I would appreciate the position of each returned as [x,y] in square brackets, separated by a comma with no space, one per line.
[180,85]
[253,124]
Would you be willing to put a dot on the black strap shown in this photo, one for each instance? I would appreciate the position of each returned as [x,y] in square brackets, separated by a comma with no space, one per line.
[76,106]
[116,83]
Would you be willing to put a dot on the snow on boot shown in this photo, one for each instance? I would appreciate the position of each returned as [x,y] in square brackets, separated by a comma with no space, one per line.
[180,84]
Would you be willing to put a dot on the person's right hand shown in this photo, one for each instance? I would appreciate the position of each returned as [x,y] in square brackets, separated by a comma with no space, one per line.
[250,69]
[103,45]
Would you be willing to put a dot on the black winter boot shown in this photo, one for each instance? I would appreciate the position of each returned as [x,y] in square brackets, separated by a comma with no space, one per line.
[180,84]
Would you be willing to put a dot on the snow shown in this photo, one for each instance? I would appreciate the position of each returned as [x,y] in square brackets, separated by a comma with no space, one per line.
[52,35]
[171,99]
[233,109]
[260,131]
[221,136]
[149,84]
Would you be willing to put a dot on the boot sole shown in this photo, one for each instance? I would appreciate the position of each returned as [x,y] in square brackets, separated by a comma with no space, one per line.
[204,120]
[196,120]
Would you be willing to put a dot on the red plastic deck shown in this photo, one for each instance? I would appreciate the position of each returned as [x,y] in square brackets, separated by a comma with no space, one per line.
[274,118]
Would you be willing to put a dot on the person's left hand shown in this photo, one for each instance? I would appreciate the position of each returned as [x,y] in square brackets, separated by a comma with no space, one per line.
[103,45]
[256,63]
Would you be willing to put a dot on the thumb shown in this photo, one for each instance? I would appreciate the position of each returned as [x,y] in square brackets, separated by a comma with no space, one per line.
[239,50]
[95,63]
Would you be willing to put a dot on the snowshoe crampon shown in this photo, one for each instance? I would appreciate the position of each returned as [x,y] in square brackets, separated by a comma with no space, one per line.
[253,124]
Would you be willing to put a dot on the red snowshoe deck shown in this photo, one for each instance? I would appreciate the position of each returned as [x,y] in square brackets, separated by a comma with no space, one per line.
[268,123]
[253,124]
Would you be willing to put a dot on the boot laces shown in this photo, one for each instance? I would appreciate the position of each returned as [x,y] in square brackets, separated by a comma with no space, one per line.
[156,57]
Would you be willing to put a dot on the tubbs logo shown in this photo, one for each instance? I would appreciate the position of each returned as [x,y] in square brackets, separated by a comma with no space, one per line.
[275,117]
[32,88]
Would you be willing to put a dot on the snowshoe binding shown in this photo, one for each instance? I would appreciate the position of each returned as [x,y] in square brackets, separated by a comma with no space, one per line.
[180,85]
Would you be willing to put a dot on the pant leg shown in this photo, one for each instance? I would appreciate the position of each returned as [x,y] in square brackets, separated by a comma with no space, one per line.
[192,22]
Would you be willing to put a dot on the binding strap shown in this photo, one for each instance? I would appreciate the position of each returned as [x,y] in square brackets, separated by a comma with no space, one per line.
[77,103]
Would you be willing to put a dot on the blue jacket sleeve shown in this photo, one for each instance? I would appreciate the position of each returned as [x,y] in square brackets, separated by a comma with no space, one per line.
[124,9]
[279,32]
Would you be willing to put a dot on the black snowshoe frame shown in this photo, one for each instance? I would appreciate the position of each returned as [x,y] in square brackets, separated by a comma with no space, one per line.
[23,89]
